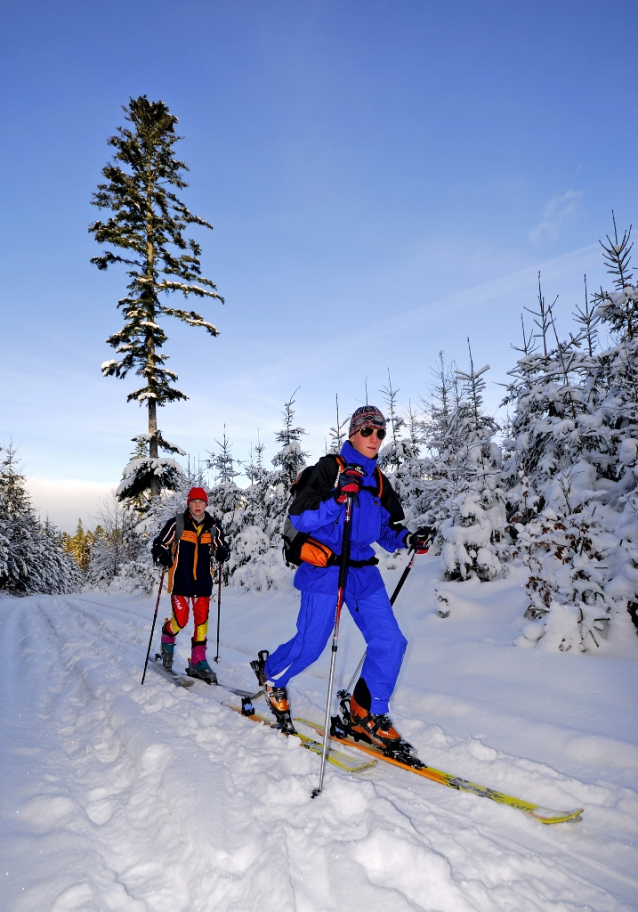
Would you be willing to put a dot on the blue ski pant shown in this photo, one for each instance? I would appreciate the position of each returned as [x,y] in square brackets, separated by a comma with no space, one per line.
[375,619]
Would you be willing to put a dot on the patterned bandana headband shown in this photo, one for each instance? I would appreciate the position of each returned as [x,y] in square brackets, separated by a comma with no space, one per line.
[366,416]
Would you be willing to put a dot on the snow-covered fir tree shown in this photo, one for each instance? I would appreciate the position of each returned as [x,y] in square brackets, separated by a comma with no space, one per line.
[409,476]
[391,456]
[256,552]
[32,554]
[142,471]
[148,222]
[442,462]
[571,467]
[471,534]
[288,462]
[547,431]
[225,498]
[251,560]
[290,459]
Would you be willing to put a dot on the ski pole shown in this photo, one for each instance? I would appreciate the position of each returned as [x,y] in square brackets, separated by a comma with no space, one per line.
[219,603]
[343,573]
[148,651]
[393,599]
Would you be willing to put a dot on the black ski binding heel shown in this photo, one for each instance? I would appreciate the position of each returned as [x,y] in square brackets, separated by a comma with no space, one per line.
[257,666]
[247,708]
[337,728]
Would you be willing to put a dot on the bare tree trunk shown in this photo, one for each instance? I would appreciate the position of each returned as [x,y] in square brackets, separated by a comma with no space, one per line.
[152,444]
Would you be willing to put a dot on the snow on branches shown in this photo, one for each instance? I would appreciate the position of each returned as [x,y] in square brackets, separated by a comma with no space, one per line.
[556,493]
[148,220]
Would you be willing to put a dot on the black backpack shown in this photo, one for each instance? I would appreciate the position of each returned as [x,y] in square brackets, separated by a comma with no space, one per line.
[301,547]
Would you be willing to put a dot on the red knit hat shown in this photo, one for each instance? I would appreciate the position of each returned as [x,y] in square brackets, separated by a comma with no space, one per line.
[197,494]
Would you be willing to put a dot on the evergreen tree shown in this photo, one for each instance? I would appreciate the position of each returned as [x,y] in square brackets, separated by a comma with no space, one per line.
[588,320]
[472,531]
[290,459]
[19,528]
[253,564]
[256,560]
[390,456]
[549,400]
[32,556]
[409,477]
[572,466]
[58,570]
[148,221]
[443,398]
[442,464]
[619,308]
[222,463]
[337,433]
[79,545]
[225,499]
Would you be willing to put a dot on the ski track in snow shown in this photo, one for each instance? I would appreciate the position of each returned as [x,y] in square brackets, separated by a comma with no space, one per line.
[143,799]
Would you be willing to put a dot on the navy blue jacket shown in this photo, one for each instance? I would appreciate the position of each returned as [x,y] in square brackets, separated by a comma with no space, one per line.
[374,519]
[189,560]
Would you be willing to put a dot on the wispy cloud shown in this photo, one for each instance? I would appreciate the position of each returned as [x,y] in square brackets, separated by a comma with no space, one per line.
[555,215]
[506,288]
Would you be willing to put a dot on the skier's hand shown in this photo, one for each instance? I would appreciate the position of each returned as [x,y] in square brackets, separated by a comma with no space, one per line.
[420,540]
[222,554]
[164,560]
[349,483]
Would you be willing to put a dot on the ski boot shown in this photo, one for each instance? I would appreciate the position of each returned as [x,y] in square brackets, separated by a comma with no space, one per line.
[362,725]
[198,667]
[276,697]
[167,646]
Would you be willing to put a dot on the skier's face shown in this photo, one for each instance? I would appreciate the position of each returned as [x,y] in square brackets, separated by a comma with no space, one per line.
[367,446]
[197,508]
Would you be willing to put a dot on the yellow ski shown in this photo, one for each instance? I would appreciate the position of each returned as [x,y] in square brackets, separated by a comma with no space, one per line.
[336,757]
[544,815]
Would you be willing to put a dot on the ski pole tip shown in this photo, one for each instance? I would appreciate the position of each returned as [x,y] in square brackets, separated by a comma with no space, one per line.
[315,792]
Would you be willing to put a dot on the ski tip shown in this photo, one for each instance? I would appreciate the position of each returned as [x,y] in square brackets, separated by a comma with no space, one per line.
[546,815]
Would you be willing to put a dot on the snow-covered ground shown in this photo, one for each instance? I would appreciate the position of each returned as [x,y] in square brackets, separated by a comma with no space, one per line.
[143,799]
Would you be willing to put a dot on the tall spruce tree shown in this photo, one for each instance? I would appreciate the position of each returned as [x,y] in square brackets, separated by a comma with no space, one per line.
[149,221]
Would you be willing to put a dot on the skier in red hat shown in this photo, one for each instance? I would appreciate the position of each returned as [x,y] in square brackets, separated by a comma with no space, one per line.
[186,547]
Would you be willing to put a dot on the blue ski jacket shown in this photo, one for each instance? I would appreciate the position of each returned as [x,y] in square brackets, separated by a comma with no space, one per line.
[374,519]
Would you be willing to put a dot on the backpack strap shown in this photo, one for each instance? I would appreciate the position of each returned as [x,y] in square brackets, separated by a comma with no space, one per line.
[179,531]
[377,471]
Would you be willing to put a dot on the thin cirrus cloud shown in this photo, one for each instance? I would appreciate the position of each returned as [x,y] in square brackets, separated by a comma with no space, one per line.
[494,298]
[556,215]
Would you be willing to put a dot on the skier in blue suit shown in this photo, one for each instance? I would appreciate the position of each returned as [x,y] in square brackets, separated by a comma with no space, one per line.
[319,509]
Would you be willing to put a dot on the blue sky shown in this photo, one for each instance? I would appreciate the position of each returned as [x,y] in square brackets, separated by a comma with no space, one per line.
[385,179]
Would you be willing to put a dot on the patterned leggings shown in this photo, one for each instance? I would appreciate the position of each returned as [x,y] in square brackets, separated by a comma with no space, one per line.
[180,605]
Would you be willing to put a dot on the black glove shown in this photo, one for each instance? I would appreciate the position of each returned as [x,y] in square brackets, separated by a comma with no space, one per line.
[420,540]
[349,483]
[164,560]
[222,554]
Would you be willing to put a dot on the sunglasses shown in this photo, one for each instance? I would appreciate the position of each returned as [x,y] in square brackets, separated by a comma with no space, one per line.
[368,432]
